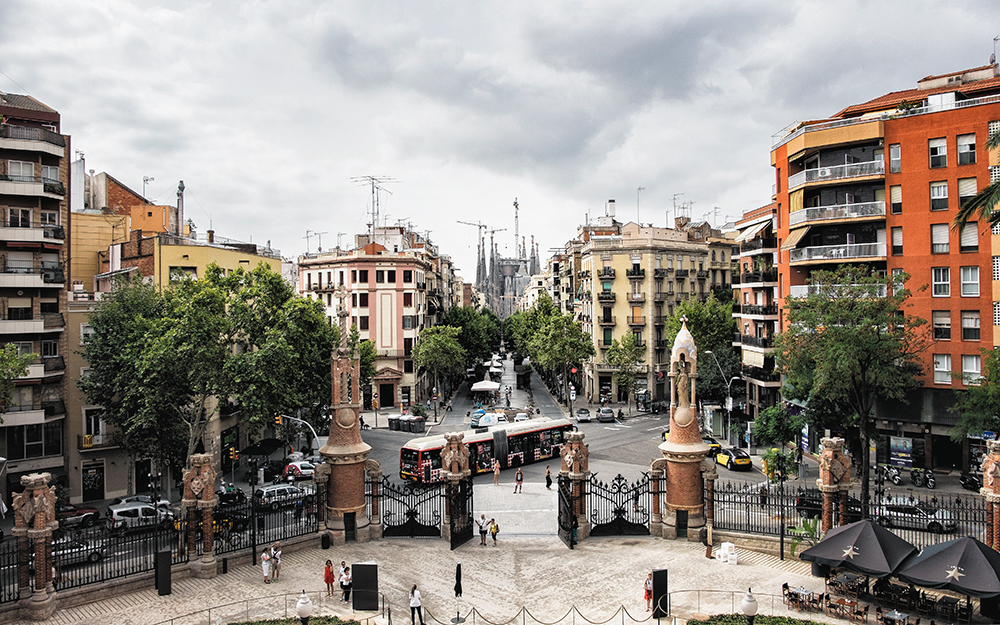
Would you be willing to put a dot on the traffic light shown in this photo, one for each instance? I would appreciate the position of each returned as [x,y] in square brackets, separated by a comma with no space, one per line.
[234,454]
[277,419]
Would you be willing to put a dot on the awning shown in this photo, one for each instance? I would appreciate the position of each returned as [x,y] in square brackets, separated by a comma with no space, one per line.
[108,274]
[754,359]
[793,238]
[751,232]
[485,385]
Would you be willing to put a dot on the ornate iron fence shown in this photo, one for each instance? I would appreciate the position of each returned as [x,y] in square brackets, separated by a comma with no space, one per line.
[411,509]
[8,570]
[619,508]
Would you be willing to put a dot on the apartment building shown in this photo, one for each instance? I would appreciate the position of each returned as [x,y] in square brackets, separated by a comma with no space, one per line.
[630,279]
[34,179]
[879,183]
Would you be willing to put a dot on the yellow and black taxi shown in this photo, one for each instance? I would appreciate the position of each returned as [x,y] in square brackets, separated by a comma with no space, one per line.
[734,459]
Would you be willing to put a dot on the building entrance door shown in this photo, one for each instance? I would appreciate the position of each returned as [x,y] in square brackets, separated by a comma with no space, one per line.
[386,395]
[93,482]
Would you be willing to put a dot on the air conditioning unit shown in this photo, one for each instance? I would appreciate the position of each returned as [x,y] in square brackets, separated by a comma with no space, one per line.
[824,172]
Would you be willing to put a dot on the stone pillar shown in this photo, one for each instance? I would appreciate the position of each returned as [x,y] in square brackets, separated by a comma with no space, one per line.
[34,520]
[657,472]
[991,492]
[373,474]
[199,501]
[834,480]
[321,478]
[454,469]
[709,474]
[575,466]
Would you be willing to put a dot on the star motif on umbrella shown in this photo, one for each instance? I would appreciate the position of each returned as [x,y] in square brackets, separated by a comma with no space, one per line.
[850,552]
[954,574]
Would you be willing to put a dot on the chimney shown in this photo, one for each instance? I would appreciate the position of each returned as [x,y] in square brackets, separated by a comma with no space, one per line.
[610,212]
[211,236]
[180,209]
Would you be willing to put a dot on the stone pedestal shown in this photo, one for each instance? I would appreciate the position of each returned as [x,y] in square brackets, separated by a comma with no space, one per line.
[834,480]
[198,503]
[34,521]
[575,465]
[991,492]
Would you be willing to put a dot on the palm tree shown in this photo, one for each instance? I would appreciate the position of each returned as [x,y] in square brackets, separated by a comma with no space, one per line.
[983,207]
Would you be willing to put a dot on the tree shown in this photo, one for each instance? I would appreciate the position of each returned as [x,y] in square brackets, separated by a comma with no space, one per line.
[560,344]
[983,205]
[480,330]
[367,355]
[978,405]
[849,343]
[438,351]
[12,366]
[625,355]
[775,426]
[712,325]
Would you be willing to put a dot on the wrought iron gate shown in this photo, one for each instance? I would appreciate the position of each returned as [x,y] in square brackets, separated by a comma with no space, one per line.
[619,508]
[411,510]
[567,515]
[460,509]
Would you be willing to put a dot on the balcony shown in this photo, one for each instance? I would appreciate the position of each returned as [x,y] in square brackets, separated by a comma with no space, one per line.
[837,172]
[606,296]
[702,275]
[607,272]
[766,275]
[837,252]
[393,353]
[53,408]
[659,320]
[763,243]
[856,210]
[662,273]
[662,296]
[50,322]
[606,321]
[584,274]
[26,274]
[762,342]
[760,375]
[90,442]
[635,274]
[682,273]
[752,309]
[34,139]
[36,186]
[804,290]
[636,321]
[637,297]
[54,364]
[662,344]
[22,232]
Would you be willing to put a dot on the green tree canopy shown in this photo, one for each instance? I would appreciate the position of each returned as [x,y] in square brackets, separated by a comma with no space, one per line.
[775,426]
[439,352]
[12,366]
[625,355]
[558,345]
[712,325]
[978,405]
[849,343]
[480,330]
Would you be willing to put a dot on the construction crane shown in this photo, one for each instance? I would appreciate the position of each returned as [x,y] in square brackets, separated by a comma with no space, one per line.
[517,250]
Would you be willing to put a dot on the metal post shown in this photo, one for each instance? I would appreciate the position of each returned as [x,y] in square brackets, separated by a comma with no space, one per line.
[781,504]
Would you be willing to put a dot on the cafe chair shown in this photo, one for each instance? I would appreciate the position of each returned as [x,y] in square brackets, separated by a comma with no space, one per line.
[926,605]
[879,618]
[964,613]
[786,594]
[913,621]
[859,615]
[831,606]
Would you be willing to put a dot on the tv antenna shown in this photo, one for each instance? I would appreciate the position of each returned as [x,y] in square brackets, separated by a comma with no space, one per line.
[637,191]
[376,184]
[319,235]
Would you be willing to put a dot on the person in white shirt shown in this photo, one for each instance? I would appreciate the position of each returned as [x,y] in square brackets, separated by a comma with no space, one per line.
[415,610]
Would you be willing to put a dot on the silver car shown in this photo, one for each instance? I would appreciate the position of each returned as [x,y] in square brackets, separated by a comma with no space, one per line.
[136,514]
[67,550]
[903,512]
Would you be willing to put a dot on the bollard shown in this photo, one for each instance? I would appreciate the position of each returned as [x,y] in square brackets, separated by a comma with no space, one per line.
[225,565]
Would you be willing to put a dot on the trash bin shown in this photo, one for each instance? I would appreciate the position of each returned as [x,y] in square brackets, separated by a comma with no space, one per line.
[404,424]
[417,424]
[394,422]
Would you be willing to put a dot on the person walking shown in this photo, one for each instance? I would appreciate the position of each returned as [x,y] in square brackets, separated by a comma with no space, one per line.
[496,472]
[345,584]
[518,481]
[275,561]
[484,527]
[494,530]
[548,477]
[265,565]
[648,591]
[415,609]
[329,578]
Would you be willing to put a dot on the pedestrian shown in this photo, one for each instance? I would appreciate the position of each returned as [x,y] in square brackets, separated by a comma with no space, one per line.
[518,480]
[345,584]
[484,527]
[415,610]
[548,477]
[329,578]
[265,565]
[494,530]
[275,561]
[496,472]
[648,591]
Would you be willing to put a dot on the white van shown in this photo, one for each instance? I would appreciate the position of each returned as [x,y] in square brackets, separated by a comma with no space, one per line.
[488,419]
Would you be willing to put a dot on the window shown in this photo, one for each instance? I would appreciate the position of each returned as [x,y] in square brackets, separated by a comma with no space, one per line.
[967,149]
[967,188]
[942,325]
[50,173]
[86,331]
[939,152]
[896,200]
[939,196]
[19,309]
[407,347]
[363,300]
[363,322]
[50,218]
[996,313]
[354,300]
[971,370]
[996,267]
[354,275]
[407,299]
[970,281]
[942,369]
[941,281]
[607,337]
[895,162]
[970,325]
[34,441]
[24,348]
[392,276]
[50,349]
[407,366]
[183,273]
[897,240]
[969,239]
[407,276]
[21,171]
[19,218]
[362,275]
[379,275]
[939,239]
[408,322]
[341,278]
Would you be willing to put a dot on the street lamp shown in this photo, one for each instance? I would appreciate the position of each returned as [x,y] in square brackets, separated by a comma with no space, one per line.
[729,393]
[434,392]
[304,608]
[749,606]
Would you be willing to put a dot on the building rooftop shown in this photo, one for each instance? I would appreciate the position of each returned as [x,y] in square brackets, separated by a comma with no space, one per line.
[25,102]
[969,83]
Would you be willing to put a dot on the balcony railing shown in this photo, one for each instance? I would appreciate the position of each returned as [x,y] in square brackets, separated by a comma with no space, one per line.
[584,273]
[755,341]
[8,131]
[662,343]
[836,252]
[659,320]
[54,363]
[54,408]
[766,275]
[50,185]
[637,297]
[702,275]
[762,375]
[837,172]
[30,230]
[682,273]
[607,272]
[606,296]
[50,272]
[839,211]
[662,273]
[606,321]
[752,309]
[393,353]
[94,441]
[804,290]
[661,296]
[758,244]
[635,273]
[636,321]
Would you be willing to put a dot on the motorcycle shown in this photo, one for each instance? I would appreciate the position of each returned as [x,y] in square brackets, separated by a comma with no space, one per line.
[891,473]
[970,481]
[923,477]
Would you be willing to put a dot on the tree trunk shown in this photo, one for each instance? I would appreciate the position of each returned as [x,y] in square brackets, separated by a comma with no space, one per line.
[863,426]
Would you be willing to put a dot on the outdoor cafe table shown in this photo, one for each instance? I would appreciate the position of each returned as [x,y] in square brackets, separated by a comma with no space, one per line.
[801,596]
[896,616]
[845,606]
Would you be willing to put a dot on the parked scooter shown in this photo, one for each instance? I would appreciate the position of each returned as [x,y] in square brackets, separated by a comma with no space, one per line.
[923,477]
[970,481]
[891,474]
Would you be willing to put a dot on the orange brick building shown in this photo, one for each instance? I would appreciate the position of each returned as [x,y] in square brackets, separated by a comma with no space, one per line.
[879,183]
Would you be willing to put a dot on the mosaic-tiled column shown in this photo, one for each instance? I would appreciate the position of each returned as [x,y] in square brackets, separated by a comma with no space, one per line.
[34,521]
[200,500]
[575,466]
[834,480]
[991,492]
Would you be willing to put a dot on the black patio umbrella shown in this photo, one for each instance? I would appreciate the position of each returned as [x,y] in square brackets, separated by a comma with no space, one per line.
[458,579]
[964,565]
[863,547]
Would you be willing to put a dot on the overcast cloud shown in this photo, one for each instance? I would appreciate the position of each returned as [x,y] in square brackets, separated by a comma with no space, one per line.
[267,109]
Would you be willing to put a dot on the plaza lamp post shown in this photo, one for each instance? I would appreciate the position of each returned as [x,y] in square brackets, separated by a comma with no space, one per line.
[729,394]
[304,608]
[749,606]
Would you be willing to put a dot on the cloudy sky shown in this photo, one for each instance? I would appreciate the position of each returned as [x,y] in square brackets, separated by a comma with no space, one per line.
[267,109]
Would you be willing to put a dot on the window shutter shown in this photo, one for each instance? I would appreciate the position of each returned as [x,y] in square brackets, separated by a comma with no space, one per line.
[970,235]
[937,143]
[939,234]
[967,187]
[897,237]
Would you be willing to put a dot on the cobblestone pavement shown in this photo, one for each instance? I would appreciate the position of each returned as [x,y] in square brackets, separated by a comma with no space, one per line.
[537,573]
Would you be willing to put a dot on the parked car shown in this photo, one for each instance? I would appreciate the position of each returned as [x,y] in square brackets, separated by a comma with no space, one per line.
[734,459]
[133,515]
[69,515]
[300,470]
[68,550]
[159,503]
[909,513]
[605,415]
[809,504]
[278,496]
[583,415]
[713,445]
[521,416]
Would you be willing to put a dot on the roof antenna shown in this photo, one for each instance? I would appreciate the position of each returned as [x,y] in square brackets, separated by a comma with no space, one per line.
[993,57]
